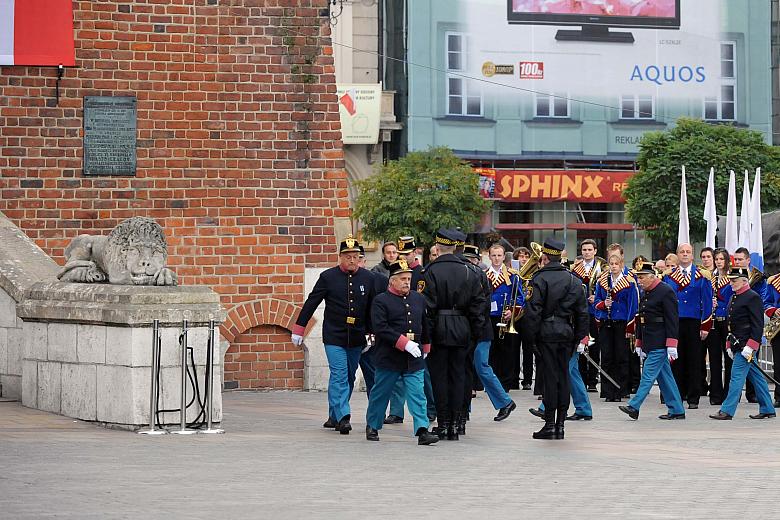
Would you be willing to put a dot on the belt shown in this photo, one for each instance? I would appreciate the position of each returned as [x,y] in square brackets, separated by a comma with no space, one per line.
[720,318]
[653,319]
[451,312]
[410,336]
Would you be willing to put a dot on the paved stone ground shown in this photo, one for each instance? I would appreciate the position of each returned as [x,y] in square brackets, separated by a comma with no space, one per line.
[277,462]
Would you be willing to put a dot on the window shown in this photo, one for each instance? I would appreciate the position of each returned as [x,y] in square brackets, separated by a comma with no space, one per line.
[724,106]
[636,107]
[464,96]
[552,105]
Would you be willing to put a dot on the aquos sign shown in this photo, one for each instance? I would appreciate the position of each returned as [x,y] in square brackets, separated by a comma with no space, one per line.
[600,49]
[558,185]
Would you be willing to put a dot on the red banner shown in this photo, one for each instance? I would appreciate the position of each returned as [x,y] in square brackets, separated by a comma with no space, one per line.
[558,185]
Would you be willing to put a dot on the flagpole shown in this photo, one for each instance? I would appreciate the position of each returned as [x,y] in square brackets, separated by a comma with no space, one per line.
[732,236]
[710,211]
[683,236]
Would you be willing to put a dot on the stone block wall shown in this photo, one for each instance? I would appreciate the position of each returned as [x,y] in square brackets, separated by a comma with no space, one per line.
[239,148]
[11,340]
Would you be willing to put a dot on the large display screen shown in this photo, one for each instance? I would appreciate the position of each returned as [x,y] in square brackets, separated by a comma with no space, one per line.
[623,13]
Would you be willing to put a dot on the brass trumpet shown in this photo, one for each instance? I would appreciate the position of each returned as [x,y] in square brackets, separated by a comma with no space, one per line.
[508,327]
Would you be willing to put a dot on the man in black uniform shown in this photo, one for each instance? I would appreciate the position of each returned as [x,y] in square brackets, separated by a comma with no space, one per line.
[348,292]
[746,326]
[401,346]
[558,319]
[455,312]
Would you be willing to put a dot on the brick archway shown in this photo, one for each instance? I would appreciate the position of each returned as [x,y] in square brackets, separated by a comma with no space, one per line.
[261,354]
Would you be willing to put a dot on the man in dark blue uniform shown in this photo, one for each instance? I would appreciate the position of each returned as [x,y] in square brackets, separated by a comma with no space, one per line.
[557,314]
[402,344]
[455,307]
[656,342]
[348,292]
[746,326]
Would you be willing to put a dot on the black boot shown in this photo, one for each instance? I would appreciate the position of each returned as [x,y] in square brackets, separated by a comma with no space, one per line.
[371,434]
[443,425]
[462,425]
[559,420]
[344,427]
[548,430]
[452,430]
[424,437]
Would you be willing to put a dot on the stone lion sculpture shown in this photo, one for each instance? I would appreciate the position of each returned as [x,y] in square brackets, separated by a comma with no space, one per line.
[134,253]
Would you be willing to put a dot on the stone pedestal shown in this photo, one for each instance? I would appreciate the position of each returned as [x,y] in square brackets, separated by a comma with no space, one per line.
[88,349]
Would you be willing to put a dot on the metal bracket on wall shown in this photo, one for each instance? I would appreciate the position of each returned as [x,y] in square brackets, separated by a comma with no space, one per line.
[60,72]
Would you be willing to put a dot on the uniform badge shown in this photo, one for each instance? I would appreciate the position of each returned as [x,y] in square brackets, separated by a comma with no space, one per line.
[350,242]
[530,292]
[421,286]
[403,264]
[362,290]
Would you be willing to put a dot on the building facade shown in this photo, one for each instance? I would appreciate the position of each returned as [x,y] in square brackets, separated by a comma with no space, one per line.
[542,108]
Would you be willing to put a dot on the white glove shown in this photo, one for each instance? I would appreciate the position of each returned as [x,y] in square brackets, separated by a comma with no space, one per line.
[425,355]
[580,348]
[730,353]
[747,353]
[413,349]
[640,352]
[672,353]
[297,340]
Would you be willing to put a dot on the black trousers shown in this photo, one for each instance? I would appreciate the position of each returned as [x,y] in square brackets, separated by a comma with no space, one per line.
[555,366]
[504,357]
[527,350]
[614,358]
[470,381]
[589,373]
[688,368]
[776,358]
[716,351]
[447,365]
[634,371]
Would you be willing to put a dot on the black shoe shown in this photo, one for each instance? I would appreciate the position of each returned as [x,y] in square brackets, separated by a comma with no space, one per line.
[721,416]
[577,417]
[777,403]
[461,426]
[693,406]
[716,402]
[537,412]
[526,386]
[344,427]
[631,411]
[441,429]
[539,398]
[424,437]
[671,416]
[547,432]
[634,389]
[393,419]
[592,388]
[763,416]
[371,434]
[331,423]
[613,399]
[504,412]
[559,433]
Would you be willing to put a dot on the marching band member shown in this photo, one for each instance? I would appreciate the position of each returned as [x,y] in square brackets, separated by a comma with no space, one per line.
[617,296]
[694,295]
[746,326]
[716,341]
[656,342]
[771,306]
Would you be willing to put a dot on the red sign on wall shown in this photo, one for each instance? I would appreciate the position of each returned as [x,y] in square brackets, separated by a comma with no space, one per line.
[531,70]
[558,185]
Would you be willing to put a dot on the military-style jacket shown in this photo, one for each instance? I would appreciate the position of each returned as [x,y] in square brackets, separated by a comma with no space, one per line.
[455,303]
[694,294]
[723,291]
[588,278]
[348,299]
[772,295]
[746,318]
[557,311]
[501,288]
[625,299]
[397,320]
[658,325]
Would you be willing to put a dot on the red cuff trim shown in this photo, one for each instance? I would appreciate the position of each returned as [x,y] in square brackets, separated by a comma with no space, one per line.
[671,343]
[771,311]
[427,348]
[753,344]
[401,343]
[298,329]
[630,327]
[638,342]
[728,345]
[706,325]
[585,340]
[601,306]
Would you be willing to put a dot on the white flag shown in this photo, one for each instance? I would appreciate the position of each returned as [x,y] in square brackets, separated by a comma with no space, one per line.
[682,229]
[744,216]
[756,232]
[710,212]
[731,215]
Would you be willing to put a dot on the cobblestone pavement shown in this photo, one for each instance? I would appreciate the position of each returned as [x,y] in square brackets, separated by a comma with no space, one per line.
[276,461]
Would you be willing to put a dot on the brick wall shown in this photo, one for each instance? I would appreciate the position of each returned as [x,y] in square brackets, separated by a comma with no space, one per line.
[239,153]
[263,357]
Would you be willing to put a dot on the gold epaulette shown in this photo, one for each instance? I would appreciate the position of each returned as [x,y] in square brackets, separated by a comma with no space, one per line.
[667,271]
[513,271]
[704,272]
[755,275]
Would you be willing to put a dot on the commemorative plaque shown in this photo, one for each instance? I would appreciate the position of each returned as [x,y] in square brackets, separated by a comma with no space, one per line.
[109,135]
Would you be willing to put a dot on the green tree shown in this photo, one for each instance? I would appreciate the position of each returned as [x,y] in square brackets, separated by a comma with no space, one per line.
[419,194]
[653,194]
